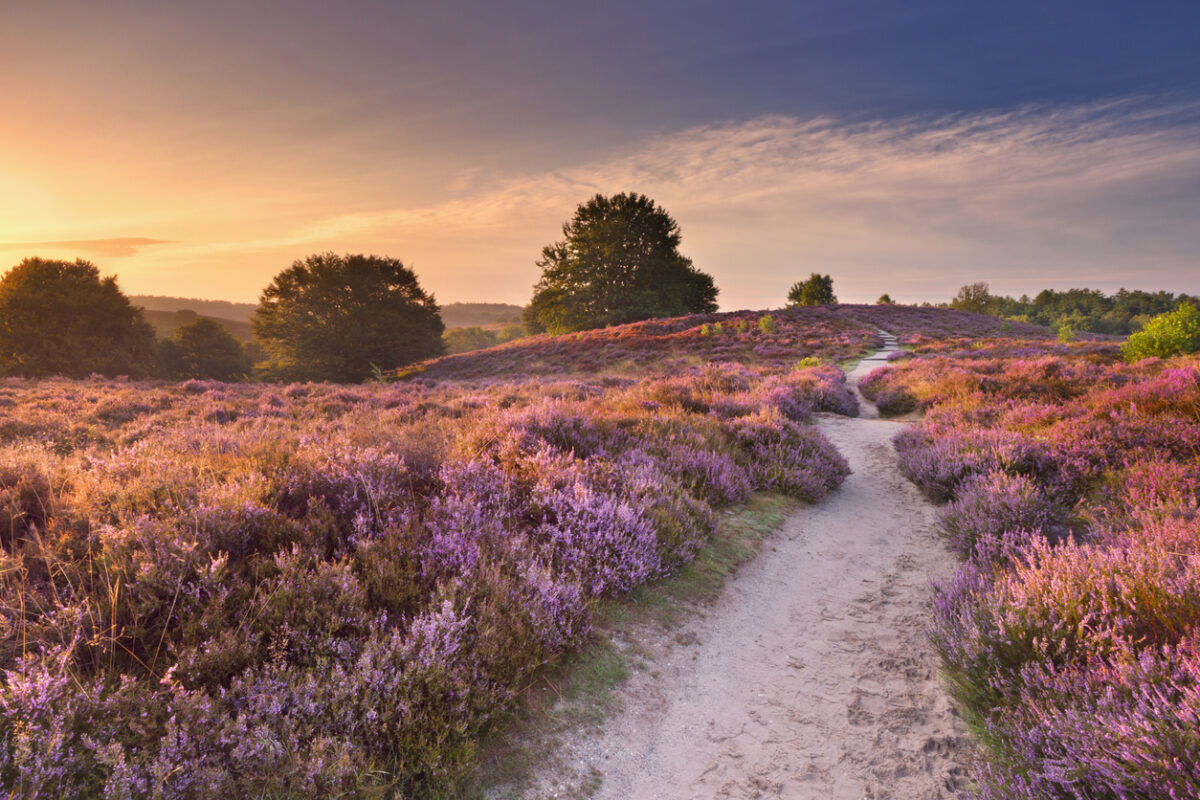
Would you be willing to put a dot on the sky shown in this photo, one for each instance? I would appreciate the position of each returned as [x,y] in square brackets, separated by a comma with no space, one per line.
[198,149]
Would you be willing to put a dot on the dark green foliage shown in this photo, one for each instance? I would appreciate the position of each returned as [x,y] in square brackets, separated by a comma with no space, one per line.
[337,318]
[203,349]
[1088,310]
[885,299]
[619,262]
[975,297]
[509,333]
[464,340]
[62,318]
[816,291]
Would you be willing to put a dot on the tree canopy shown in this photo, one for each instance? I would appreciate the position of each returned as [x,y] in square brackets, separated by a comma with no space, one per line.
[618,262]
[62,318]
[339,317]
[816,291]
[1171,334]
[203,348]
[976,297]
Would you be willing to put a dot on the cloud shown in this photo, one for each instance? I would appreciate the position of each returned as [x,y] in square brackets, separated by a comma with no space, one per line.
[1104,193]
[121,247]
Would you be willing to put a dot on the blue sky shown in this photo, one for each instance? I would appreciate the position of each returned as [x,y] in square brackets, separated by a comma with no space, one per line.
[209,145]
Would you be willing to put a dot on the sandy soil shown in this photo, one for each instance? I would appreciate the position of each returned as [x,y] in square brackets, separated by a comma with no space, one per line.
[811,676]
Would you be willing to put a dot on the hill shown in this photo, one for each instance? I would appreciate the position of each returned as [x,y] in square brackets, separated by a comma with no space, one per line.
[165,323]
[236,316]
[222,310]
[465,315]
[759,338]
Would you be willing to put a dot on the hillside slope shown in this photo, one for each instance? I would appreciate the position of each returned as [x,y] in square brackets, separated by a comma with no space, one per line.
[760,338]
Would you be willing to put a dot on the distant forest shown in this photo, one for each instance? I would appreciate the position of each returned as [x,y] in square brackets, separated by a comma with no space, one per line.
[219,309]
[160,308]
[1119,314]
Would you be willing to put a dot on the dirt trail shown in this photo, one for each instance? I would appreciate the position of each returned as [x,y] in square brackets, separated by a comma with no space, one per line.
[811,677]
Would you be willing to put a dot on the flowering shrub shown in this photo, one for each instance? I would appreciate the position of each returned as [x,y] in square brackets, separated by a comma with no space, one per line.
[1068,635]
[308,590]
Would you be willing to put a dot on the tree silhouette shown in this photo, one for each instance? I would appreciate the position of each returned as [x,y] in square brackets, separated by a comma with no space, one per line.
[618,262]
[337,318]
[816,291]
[62,318]
[976,297]
[203,348]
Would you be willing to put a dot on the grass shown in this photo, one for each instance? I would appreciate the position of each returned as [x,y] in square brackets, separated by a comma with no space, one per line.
[573,697]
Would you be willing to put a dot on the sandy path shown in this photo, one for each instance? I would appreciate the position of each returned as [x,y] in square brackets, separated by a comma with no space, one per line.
[811,677]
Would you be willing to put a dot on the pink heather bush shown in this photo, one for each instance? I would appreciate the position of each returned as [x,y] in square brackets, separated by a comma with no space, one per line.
[988,506]
[308,591]
[1125,728]
[1074,660]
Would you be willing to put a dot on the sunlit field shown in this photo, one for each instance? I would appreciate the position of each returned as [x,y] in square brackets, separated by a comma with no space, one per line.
[1072,489]
[309,590]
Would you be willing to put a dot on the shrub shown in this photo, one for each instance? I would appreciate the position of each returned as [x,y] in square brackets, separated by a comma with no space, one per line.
[990,505]
[315,590]
[1166,335]
[766,324]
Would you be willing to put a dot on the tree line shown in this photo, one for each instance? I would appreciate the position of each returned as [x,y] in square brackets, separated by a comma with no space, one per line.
[344,318]
[1120,314]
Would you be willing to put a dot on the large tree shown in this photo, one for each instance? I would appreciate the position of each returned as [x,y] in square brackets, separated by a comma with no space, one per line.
[816,291]
[338,318]
[619,261]
[62,318]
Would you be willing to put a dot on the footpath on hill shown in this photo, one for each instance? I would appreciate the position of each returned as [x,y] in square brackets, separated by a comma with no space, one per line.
[811,676]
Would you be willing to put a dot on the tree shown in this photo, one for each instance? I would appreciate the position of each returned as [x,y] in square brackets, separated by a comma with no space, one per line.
[337,318]
[203,348]
[885,299]
[816,291]
[62,318]
[976,297]
[618,262]
[464,340]
[1170,334]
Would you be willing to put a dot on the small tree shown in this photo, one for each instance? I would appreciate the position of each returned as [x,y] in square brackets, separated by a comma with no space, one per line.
[816,291]
[1174,333]
[203,348]
[885,300]
[618,262]
[62,318]
[509,332]
[463,340]
[338,318]
[974,297]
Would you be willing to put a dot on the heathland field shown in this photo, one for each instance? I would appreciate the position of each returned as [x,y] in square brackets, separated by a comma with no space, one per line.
[313,590]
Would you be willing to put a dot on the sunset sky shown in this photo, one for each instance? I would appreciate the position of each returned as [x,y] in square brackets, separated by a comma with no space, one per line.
[197,149]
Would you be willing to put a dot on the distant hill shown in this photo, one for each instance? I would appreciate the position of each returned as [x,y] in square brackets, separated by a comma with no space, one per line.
[165,323]
[464,315]
[222,310]
[455,315]
[675,345]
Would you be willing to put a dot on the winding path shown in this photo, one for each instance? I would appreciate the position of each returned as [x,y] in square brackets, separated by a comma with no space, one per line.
[811,677]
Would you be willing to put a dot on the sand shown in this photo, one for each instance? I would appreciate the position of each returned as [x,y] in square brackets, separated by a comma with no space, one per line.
[811,676]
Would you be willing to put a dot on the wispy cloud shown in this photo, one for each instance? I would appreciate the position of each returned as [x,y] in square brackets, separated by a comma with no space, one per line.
[1104,193]
[121,247]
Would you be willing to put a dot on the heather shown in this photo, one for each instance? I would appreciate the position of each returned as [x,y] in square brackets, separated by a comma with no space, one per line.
[318,590]
[759,340]
[1070,489]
